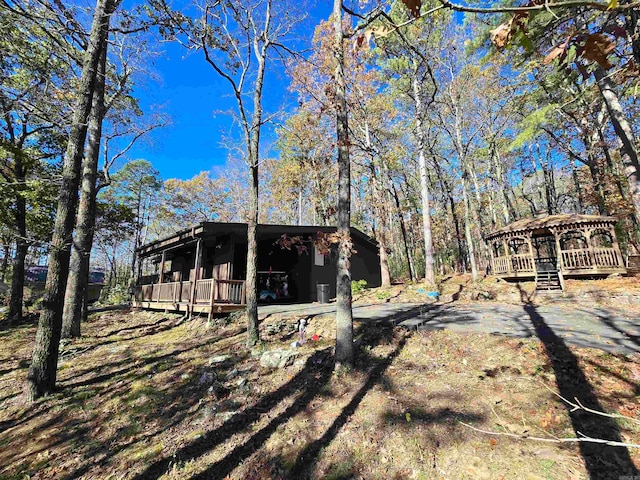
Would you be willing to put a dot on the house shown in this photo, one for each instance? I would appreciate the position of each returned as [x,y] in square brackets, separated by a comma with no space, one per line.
[203,268]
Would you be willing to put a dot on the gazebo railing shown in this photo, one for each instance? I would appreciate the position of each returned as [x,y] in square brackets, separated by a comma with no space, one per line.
[586,258]
[522,263]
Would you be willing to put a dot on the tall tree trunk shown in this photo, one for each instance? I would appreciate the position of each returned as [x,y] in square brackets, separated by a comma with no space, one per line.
[429,274]
[625,134]
[6,249]
[403,230]
[467,228]
[253,136]
[576,184]
[77,285]
[20,218]
[380,212]
[503,187]
[344,315]
[42,373]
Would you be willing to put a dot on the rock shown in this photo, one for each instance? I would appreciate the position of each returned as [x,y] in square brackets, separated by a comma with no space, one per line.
[206,377]
[256,352]
[277,358]
[233,373]
[219,359]
[185,376]
[226,415]
[218,390]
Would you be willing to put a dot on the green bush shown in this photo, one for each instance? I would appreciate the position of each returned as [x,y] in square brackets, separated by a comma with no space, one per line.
[382,294]
[357,286]
[114,294]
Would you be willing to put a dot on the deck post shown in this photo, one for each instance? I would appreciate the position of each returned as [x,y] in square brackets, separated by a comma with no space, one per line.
[196,266]
[214,282]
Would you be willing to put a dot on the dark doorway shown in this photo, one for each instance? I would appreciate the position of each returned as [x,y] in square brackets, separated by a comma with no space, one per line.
[546,256]
[240,261]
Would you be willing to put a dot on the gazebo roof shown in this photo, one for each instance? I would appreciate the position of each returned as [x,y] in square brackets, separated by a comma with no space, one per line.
[547,221]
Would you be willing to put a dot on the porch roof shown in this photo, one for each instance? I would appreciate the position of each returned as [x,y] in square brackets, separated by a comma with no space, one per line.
[548,221]
[205,229]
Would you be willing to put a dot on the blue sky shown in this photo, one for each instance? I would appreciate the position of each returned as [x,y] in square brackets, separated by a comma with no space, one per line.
[192,95]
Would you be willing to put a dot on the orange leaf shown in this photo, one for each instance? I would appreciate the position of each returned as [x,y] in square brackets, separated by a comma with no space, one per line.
[501,35]
[555,53]
[493,442]
[596,48]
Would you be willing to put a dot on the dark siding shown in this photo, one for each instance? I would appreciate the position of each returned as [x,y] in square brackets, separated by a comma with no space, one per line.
[365,264]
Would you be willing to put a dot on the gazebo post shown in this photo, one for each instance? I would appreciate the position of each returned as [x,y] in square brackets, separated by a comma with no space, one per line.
[493,267]
[533,260]
[558,249]
[616,247]
[507,255]
[559,257]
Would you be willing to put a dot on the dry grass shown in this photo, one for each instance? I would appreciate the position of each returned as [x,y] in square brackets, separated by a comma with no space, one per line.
[611,291]
[138,398]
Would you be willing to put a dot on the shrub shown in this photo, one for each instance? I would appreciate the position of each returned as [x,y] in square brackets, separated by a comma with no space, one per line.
[357,286]
[382,294]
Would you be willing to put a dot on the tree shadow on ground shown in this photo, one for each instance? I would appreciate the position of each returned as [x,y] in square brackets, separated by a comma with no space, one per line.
[308,383]
[371,335]
[601,461]
[308,457]
[610,322]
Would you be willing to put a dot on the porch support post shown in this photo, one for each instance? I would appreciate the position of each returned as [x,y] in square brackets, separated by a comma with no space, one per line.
[196,275]
[161,276]
[164,256]
[214,285]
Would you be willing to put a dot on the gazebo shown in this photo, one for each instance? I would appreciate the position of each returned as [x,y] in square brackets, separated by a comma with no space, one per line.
[549,248]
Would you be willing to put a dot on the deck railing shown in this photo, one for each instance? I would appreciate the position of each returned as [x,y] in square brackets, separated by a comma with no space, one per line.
[207,291]
[220,291]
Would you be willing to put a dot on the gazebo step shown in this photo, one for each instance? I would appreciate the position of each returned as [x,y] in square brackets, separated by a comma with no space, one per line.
[548,281]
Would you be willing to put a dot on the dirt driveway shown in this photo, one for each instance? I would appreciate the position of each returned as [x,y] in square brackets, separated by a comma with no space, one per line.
[585,326]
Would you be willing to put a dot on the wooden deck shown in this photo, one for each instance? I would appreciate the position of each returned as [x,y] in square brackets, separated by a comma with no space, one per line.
[209,296]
